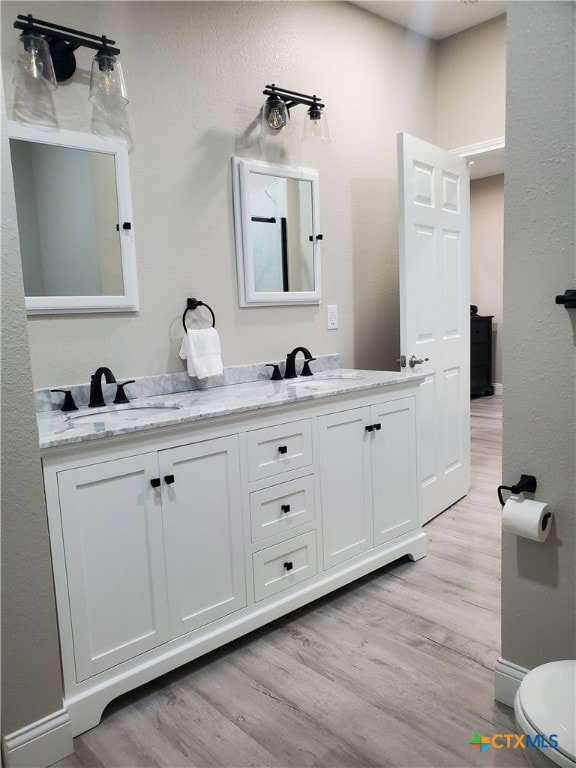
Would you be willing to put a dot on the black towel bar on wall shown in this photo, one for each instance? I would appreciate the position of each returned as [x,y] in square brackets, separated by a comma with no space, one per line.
[191,305]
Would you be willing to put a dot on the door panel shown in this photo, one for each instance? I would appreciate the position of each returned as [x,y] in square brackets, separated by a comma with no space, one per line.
[346,485]
[452,306]
[203,530]
[113,542]
[434,313]
[394,469]
[427,453]
[453,428]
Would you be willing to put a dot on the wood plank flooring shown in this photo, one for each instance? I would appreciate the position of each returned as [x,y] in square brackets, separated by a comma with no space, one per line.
[394,670]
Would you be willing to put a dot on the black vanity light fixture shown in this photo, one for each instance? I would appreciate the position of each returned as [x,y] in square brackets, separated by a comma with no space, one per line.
[47,54]
[276,113]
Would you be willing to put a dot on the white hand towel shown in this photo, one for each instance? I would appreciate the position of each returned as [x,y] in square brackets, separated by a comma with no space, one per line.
[201,350]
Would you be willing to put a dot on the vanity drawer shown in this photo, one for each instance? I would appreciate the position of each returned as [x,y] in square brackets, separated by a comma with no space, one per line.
[284,565]
[282,508]
[274,450]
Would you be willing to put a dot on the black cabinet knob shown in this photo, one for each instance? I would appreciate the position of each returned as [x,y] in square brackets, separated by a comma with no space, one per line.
[369,428]
[282,449]
[168,479]
[289,565]
[377,426]
[155,482]
[285,508]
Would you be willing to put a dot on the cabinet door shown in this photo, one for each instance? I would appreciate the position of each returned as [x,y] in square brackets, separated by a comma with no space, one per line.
[345,482]
[203,530]
[394,478]
[112,529]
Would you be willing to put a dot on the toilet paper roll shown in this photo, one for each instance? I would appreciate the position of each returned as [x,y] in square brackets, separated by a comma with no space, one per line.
[527,518]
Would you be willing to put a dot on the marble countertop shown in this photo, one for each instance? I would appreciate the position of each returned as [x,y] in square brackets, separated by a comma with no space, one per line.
[59,429]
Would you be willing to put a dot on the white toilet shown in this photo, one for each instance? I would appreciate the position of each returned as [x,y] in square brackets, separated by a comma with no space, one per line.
[545,704]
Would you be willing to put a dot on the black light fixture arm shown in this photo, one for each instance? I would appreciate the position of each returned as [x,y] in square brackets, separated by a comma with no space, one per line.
[291,98]
[74,37]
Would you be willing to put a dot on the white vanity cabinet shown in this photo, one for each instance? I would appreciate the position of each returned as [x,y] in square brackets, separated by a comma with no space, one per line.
[169,542]
[152,548]
[114,561]
[283,512]
[368,475]
[203,532]
[393,464]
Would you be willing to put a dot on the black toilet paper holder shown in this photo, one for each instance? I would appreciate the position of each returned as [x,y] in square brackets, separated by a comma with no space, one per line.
[526,484]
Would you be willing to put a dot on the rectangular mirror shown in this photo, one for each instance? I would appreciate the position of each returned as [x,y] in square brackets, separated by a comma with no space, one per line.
[74,221]
[277,233]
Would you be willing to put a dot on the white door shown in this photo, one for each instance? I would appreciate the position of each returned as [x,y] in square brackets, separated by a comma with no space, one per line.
[114,548]
[203,530]
[434,201]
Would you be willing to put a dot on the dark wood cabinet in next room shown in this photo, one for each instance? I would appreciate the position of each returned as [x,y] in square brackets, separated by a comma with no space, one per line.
[481,355]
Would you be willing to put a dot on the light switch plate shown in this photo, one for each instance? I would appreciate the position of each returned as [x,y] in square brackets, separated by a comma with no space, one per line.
[332,317]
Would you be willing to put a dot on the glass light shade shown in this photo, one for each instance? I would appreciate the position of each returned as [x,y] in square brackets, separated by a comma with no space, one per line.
[107,81]
[275,116]
[34,62]
[316,127]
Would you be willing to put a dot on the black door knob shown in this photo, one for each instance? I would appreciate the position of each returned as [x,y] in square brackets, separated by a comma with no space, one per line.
[369,428]
[168,479]
[155,482]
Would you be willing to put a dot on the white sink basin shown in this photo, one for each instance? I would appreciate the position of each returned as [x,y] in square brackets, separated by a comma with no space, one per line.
[118,414]
[318,383]
[325,380]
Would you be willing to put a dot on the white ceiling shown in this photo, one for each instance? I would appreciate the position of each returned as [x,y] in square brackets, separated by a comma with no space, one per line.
[435,18]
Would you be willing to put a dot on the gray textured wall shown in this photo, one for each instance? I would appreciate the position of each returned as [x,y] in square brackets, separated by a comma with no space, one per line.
[31,682]
[538,580]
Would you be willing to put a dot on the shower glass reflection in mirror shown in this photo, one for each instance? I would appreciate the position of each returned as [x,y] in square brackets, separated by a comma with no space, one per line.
[276,216]
[74,221]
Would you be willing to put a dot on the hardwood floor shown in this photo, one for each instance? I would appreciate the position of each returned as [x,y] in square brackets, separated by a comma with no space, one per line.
[394,670]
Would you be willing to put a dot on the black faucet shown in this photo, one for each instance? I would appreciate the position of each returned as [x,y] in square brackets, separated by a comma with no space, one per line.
[290,372]
[96,396]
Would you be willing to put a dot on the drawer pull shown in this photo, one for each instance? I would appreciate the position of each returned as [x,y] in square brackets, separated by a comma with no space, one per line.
[289,565]
[369,428]
[282,449]
[285,508]
[155,482]
[377,427]
[169,479]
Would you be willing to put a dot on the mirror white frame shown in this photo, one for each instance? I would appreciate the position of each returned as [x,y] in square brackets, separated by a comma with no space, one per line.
[249,296]
[128,301]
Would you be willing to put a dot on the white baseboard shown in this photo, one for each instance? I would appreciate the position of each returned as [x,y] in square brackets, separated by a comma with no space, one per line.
[497,390]
[507,679]
[39,744]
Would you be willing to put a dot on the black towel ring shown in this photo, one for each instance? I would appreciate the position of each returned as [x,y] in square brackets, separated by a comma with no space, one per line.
[192,304]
